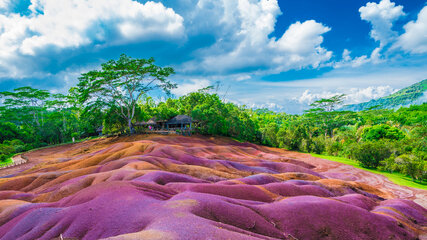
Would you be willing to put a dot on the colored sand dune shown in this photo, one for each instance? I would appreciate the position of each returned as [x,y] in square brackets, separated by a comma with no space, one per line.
[170,187]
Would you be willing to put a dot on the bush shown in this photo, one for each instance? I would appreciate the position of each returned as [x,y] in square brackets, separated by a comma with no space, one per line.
[3,157]
[318,145]
[413,166]
[6,149]
[370,154]
[333,147]
[382,131]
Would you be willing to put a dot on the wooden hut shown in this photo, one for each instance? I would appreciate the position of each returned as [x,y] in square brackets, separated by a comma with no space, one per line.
[180,122]
[99,130]
[153,123]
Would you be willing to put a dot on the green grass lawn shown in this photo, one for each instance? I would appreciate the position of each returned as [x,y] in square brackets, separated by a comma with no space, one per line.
[6,162]
[397,178]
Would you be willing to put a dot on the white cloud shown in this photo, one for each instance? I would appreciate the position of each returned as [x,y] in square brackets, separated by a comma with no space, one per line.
[4,4]
[62,24]
[308,97]
[358,95]
[353,95]
[414,39]
[243,44]
[381,16]
[300,45]
[347,60]
[243,77]
[191,86]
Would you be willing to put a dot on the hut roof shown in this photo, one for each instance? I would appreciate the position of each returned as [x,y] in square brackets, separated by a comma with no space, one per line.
[180,119]
[152,121]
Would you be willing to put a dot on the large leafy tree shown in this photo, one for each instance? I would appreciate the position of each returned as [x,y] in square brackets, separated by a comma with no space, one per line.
[327,104]
[120,84]
[322,113]
[25,103]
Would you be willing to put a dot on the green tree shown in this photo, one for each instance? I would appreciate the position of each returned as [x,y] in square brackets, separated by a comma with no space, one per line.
[382,131]
[370,154]
[25,101]
[121,84]
[413,166]
[328,104]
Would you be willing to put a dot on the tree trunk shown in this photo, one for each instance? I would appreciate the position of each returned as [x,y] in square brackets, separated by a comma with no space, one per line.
[36,119]
[130,126]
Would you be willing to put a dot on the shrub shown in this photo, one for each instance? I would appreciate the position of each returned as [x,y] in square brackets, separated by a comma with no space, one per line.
[318,145]
[389,164]
[333,147]
[3,157]
[382,131]
[413,166]
[370,154]
[6,149]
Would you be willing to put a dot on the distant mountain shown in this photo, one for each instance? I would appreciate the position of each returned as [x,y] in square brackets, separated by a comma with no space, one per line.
[412,95]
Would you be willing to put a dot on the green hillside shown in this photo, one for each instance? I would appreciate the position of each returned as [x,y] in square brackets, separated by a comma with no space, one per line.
[414,94]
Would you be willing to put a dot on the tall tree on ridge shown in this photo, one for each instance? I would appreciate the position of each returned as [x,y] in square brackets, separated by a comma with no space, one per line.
[26,101]
[120,84]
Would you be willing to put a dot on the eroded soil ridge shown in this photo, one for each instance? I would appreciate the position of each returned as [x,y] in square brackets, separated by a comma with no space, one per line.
[172,187]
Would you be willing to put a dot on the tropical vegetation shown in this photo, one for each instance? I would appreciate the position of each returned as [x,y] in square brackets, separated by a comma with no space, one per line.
[116,97]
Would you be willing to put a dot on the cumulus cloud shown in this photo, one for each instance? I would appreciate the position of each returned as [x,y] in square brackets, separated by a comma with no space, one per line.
[381,16]
[353,95]
[191,86]
[70,24]
[358,95]
[308,97]
[300,45]
[347,60]
[243,44]
[4,4]
[414,39]
[243,77]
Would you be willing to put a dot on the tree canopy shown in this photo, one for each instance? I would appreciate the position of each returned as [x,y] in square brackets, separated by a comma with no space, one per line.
[120,84]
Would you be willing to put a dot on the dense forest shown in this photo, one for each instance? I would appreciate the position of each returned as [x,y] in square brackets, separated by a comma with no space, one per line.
[118,95]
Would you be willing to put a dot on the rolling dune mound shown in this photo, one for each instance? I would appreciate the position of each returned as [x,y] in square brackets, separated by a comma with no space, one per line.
[173,187]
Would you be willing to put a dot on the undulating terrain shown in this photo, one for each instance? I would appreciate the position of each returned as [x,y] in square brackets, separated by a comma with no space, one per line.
[173,187]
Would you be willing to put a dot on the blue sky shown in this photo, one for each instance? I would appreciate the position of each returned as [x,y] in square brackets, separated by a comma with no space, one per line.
[278,54]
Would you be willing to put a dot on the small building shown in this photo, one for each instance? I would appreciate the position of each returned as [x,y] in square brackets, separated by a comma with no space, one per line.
[152,124]
[99,130]
[180,121]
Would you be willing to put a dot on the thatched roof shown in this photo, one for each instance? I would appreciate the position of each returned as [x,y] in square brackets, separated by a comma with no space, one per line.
[152,121]
[180,119]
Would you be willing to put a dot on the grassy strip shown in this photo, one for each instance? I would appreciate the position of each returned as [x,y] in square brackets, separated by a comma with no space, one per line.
[397,178]
[6,162]
[60,144]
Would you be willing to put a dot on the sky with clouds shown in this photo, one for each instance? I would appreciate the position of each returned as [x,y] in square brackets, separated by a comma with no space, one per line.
[279,54]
